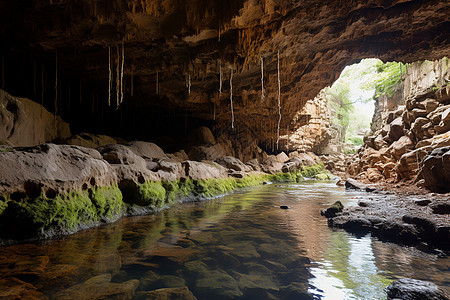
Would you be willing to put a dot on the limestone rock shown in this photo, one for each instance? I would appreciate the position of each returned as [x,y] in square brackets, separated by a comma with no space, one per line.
[51,167]
[90,140]
[147,150]
[399,147]
[282,157]
[200,136]
[232,163]
[271,165]
[26,123]
[412,289]
[430,104]
[331,211]
[374,175]
[436,170]
[200,170]
[211,152]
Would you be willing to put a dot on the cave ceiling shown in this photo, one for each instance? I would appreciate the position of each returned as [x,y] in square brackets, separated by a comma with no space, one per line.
[167,41]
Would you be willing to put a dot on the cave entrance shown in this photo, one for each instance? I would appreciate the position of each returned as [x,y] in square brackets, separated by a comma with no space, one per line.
[354,102]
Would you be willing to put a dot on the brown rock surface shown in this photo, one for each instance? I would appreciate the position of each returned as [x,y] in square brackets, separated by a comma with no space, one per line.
[26,123]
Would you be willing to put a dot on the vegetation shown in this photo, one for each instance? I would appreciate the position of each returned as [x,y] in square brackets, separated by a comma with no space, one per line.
[358,86]
[51,213]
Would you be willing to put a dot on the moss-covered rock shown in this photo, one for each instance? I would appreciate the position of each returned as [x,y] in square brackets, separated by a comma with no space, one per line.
[323,176]
[57,214]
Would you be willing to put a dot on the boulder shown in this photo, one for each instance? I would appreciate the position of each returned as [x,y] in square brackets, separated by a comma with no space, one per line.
[430,104]
[199,170]
[26,123]
[443,94]
[374,175]
[436,170]
[352,184]
[399,147]
[232,163]
[200,136]
[331,211]
[412,289]
[417,113]
[52,167]
[271,165]
[418,127]
[147,150]
[444,124]
[179,156]
[210,152]
[90,140]
[282,157]
[436,116]
[127,165]
[254,165]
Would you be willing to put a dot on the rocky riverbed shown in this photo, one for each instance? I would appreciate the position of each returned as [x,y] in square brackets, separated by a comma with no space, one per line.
[421,220]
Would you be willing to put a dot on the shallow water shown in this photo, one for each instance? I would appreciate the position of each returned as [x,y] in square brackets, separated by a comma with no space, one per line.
[238,246]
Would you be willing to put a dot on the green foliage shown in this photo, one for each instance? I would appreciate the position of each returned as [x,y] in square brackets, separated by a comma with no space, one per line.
[387,78]
[323,176]
[356,140]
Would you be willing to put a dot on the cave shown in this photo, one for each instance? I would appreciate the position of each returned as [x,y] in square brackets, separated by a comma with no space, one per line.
[118,118]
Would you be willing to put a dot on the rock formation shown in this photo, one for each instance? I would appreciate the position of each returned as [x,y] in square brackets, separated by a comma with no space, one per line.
[411,142]
[66,62]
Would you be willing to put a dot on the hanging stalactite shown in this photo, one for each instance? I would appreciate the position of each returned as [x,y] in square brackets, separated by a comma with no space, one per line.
[262,79]
[121,73]
[118,78]
[42,85]
[109,75]
[231,98]
[56,83]
[220,79]
[279,98]
[157,82]
[188,83]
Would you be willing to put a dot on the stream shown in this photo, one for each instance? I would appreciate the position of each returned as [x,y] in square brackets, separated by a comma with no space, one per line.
[239,246]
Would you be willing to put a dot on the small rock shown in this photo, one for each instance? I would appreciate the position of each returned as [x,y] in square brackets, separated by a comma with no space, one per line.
[412,289]
[284,207]
[440,208]
[423,202]
[331,211]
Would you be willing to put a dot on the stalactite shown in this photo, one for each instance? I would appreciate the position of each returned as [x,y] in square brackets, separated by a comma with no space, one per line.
[56,83]
[121,73]
[80,92]
[188,83]
[220,78]
[109,75]
[118,78]
[262,79]
[231,98]
[279,99]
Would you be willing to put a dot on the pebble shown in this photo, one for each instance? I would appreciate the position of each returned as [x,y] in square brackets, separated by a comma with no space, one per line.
[284,207]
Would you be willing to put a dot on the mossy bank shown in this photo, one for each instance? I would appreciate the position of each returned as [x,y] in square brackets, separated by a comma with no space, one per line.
[47,215]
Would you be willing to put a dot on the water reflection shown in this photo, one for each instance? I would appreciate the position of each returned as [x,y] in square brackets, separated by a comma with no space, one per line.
[238,246]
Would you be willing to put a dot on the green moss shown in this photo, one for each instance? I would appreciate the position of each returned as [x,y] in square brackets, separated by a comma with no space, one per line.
[323,176]
[65,213]
[312,170]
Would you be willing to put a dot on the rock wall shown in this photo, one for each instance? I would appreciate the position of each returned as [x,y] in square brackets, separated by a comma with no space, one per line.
[26,123]
[312,130]
[411,143]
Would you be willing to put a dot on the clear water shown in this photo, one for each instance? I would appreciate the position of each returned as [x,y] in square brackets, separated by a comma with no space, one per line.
[240,246]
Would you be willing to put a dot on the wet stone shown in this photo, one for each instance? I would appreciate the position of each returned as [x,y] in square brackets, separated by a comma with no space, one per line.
[179,293]
[218,283]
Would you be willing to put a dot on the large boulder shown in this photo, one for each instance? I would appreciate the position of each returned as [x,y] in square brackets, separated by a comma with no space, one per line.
[147,150]
[399,147]
[200,171]
[412,289]
[26,123]
[436,170]
[396,129]
[208,152]
[33,170]
[200,136]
